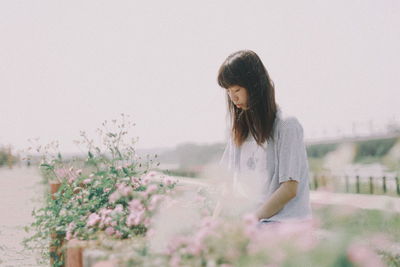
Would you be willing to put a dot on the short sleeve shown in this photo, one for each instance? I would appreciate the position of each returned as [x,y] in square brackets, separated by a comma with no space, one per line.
[292,156]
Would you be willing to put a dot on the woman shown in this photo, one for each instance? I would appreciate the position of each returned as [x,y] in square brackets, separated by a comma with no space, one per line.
[265,147]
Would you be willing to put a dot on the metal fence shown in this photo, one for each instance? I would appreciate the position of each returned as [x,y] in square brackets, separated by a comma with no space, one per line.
[382,185]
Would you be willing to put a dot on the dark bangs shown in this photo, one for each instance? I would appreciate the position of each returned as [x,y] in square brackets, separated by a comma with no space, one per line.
[229,73]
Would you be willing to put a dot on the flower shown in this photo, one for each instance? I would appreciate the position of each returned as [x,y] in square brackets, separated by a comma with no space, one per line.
[118,234]
[93,219]
[114,197]
[87,181]
[151,189]
[135,218]
[155,199]
[124,190]
[68,235]
[168,180]
[109,230]
[135,205]
[362,255]
[135,180]
[118,209]
[70,228]
[175,261]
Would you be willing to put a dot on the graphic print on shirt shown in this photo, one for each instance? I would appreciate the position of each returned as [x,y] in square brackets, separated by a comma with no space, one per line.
[251,162]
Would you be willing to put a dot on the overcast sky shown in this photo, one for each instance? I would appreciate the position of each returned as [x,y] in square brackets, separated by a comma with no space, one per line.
[67,66]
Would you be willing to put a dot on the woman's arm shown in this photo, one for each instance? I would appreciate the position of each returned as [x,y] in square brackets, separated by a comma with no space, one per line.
[285,192]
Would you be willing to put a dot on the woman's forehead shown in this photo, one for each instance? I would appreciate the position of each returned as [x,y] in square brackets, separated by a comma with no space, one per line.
[234,87]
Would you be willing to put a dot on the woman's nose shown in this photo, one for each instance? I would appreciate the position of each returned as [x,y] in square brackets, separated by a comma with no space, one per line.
[233,97]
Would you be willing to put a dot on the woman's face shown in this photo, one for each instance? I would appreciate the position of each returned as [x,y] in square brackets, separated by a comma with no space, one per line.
[238,96]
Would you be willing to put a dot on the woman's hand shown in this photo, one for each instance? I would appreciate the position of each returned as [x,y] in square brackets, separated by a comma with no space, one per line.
[285,192]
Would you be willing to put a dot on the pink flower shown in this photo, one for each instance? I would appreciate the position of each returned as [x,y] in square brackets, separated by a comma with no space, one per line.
[146,222]
[362,255]
[175,243]
[168,180]
[114,197]
[119,186]
[61,173]
[135,218]
[146,178]
[79,172]
[71,179]
[151,189]
[209,222]
[135,180]
[70,229]
[68,235]
[104,212]
[155,199]
[118,234]
[93,219]
[126,191]
[150,233]
[107,221]
[195,248]
[86,181]
[200,198]
[109,231]
[106,190]
[135,205]
[201,235]
[175,261]
[118,209]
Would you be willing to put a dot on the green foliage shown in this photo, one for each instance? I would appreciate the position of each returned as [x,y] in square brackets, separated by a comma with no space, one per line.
[6,158]
[181,172]
[369,150]
[320,150]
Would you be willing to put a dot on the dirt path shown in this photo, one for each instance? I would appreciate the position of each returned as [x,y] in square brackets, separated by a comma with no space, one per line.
[20,192]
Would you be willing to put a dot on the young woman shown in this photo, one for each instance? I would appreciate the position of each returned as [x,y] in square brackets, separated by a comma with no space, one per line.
[265,147]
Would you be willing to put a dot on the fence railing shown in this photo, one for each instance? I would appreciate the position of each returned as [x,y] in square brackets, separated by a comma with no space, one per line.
[382,185]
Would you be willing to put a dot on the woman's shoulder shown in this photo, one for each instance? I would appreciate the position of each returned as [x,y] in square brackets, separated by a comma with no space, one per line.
[284,121]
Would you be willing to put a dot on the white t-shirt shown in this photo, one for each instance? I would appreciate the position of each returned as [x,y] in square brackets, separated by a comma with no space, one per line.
[259,171]
[252,171]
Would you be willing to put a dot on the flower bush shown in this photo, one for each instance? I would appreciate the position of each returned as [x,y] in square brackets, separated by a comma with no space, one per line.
[110,192]
[243,242]
[337,236]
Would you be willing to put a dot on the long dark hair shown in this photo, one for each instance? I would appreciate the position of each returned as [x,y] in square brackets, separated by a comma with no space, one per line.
[244,68]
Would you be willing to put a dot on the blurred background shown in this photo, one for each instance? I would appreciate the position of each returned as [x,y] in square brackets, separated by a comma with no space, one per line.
[68,66]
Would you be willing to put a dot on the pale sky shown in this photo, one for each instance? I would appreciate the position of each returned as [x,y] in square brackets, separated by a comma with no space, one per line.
[67,66]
